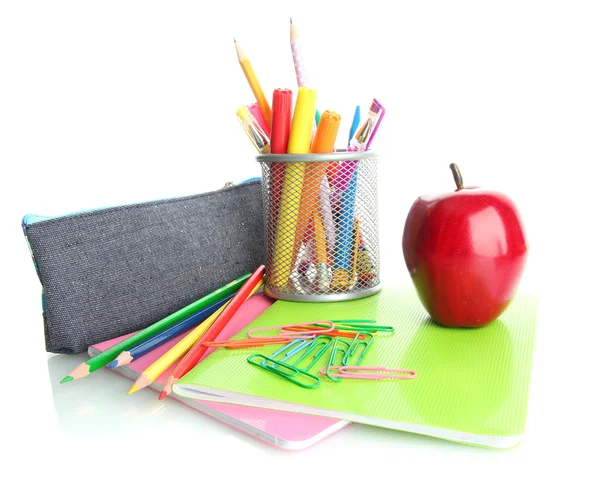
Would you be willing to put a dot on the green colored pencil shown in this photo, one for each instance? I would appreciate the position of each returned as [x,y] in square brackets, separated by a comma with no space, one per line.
[104,358]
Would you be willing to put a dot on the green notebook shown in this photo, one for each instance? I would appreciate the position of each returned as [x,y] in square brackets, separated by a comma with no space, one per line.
[471,386]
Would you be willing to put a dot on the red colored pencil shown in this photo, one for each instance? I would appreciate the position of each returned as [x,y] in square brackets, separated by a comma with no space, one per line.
[197,351]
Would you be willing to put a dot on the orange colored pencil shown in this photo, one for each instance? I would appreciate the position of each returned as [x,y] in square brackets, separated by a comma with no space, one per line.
[197,351]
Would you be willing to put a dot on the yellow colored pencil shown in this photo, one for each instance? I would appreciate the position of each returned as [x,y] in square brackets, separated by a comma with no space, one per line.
[299,143]
[263,104]
[177,351]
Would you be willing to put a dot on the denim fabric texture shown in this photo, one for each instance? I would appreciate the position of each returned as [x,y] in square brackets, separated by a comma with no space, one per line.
[112,271]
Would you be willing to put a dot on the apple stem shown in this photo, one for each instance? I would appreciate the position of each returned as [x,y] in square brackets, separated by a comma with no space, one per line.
[457,176]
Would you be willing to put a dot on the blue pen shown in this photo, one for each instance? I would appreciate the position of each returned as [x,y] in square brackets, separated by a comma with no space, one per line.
[355,123]
[127,356]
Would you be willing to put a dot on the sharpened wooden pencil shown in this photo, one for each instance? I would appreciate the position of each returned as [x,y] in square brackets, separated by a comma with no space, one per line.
[197,351]
[104,358]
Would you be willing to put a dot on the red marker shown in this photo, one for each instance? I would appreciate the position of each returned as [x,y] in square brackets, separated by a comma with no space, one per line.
[280,135]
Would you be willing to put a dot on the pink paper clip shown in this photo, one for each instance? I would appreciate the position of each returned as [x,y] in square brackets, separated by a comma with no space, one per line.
[307,334]
[386,373]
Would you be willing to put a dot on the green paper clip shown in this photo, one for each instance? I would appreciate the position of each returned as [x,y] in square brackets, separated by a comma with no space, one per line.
[355,344]
[334,352]
[284,370]
[370,328]
[323,341]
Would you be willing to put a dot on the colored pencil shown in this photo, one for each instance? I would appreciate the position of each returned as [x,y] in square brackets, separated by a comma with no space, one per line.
[263,104]
[299,66]
[104,358]
[128,356]
[175,353]
[355,123]
[197,351]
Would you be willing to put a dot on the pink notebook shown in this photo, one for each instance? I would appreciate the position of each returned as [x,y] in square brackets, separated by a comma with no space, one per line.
[291,431]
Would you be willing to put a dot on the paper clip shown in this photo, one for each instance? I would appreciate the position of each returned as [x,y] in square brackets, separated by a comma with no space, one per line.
[308,334]
[370,328]
[284,370]
[249,343]
[348,334]
[296,345]
[323,342]
[386,373]
[334,352]
[355,344]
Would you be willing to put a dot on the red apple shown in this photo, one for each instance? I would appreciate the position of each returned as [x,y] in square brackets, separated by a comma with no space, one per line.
[465,252]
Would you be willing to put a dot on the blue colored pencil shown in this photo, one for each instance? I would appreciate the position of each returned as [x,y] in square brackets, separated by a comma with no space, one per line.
[128,356]
[355,123]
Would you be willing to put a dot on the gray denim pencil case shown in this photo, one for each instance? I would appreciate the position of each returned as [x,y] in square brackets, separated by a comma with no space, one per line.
[112,271]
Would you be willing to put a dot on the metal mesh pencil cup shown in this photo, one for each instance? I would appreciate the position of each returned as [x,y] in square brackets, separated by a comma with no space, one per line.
[321,225]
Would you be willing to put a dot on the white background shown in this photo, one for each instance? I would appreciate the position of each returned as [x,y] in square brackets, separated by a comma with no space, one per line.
[105,103]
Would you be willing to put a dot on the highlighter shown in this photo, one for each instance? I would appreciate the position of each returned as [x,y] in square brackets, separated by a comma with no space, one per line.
[287,218]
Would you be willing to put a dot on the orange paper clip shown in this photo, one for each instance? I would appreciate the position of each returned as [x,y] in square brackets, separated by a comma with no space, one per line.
[331,333]
[287,330]
[249,343]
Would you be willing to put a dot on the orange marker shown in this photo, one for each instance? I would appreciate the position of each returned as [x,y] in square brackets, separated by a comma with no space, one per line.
[324,142]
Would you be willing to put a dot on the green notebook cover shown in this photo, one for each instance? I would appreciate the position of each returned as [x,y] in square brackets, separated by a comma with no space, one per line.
[471,386]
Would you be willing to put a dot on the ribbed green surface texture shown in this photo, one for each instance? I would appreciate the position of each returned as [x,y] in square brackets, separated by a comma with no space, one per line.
[468,380]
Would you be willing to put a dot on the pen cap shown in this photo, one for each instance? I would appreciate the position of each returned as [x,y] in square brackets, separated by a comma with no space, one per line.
[282,117]
[258,116]
[302,121]
[253,130]
[324,140]
[377,108]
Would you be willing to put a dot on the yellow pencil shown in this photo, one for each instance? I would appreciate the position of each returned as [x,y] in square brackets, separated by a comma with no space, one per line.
[299,143]
[263,104]
[177,351]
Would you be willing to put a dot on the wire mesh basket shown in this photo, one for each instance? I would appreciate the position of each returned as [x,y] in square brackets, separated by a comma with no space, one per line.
[321,225]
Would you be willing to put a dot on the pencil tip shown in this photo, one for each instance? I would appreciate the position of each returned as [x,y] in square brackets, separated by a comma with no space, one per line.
[162,395]
[132,389]
[234,40]
[291,20]
[68,378]
[113,364]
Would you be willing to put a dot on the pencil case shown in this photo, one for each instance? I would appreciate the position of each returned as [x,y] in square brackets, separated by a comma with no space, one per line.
[112,271]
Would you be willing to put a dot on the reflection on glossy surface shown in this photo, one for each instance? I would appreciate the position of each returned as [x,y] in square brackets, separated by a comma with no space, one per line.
[473,367]
[99,405]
